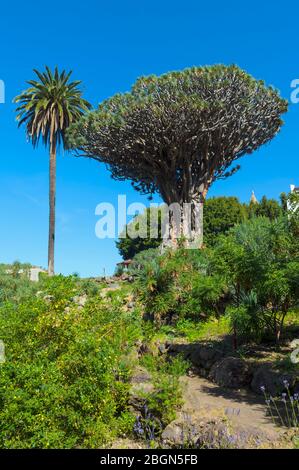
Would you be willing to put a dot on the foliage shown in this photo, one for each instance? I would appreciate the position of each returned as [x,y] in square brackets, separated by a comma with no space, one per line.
[251,274]
[260,261]
[141,259]
[167,134]
[221,214]
[49,106]
[64,382]
[14,283]
[161,404]
[284,409]
[246,317]
[165,284]
[148,228]
[269,208]
[155,289]
[204,330]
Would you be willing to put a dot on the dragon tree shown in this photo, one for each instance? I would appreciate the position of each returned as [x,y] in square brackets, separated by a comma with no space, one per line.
[178,133]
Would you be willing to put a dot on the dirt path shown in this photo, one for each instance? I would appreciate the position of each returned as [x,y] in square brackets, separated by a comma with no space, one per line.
[241,407]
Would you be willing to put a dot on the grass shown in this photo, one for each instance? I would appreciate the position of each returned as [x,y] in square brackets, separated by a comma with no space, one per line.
[209,329]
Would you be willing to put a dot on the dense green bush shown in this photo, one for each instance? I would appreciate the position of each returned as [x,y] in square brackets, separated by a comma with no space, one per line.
[260,261]
[64,382]
[252,274]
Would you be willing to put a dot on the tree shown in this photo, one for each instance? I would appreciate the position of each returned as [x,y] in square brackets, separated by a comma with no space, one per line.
[221,213]
[178,133]
[259,259]
[47,108]
[127,246]
[269,208]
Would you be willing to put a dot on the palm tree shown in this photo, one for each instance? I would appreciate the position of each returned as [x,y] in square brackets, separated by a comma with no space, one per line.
[47,108]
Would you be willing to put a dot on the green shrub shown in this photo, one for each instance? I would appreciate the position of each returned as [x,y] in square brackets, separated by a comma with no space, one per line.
[63,385]
[15,285]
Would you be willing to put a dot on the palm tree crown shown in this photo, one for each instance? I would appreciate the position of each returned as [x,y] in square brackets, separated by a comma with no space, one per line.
[49,106]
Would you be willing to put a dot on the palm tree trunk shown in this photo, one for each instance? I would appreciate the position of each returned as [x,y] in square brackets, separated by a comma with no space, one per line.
[52,198]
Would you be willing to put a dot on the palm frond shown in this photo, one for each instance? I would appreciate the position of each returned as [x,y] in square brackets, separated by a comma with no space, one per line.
[49,106]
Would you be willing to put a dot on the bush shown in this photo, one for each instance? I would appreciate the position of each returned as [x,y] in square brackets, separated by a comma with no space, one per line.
[260,262]
[64,383]
[253,271]
[14,283]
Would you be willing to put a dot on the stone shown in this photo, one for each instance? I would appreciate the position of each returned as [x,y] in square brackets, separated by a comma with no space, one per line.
[140,375]
[272,380]
[140,386]
[231,372]
[201,430]
[202,356]
[205,356]
[162,348]
[80,300]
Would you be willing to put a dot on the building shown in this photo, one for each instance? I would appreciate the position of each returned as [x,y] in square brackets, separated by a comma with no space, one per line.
[125,264]
[253,198]
[32,272]
[294,190]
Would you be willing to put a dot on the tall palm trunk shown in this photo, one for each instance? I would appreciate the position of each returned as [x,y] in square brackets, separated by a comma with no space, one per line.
[52,198]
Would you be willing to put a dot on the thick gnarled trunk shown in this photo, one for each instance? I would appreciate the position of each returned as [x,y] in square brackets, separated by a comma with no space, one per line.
[52,198]
[183,225]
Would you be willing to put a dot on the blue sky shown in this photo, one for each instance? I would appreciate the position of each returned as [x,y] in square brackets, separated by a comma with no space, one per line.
[108,45]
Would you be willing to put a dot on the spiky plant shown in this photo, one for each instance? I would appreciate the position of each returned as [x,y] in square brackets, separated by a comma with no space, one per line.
[47,108]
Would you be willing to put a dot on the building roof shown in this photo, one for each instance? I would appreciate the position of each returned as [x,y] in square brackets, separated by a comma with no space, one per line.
[125,262]
[253,198]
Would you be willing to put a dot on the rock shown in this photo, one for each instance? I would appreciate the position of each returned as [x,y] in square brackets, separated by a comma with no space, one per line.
[231,372]
[48,298]
[140,375]
[140,385]
[80,300]
[205,356]
[214,432]
[202,356]
[137,396]
[154,348]
[142,347]
[272,380]
[162,348]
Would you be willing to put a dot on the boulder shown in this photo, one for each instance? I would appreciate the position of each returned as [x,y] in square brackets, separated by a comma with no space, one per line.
[231,372]
[205,356]
[202,356]
[272,380]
